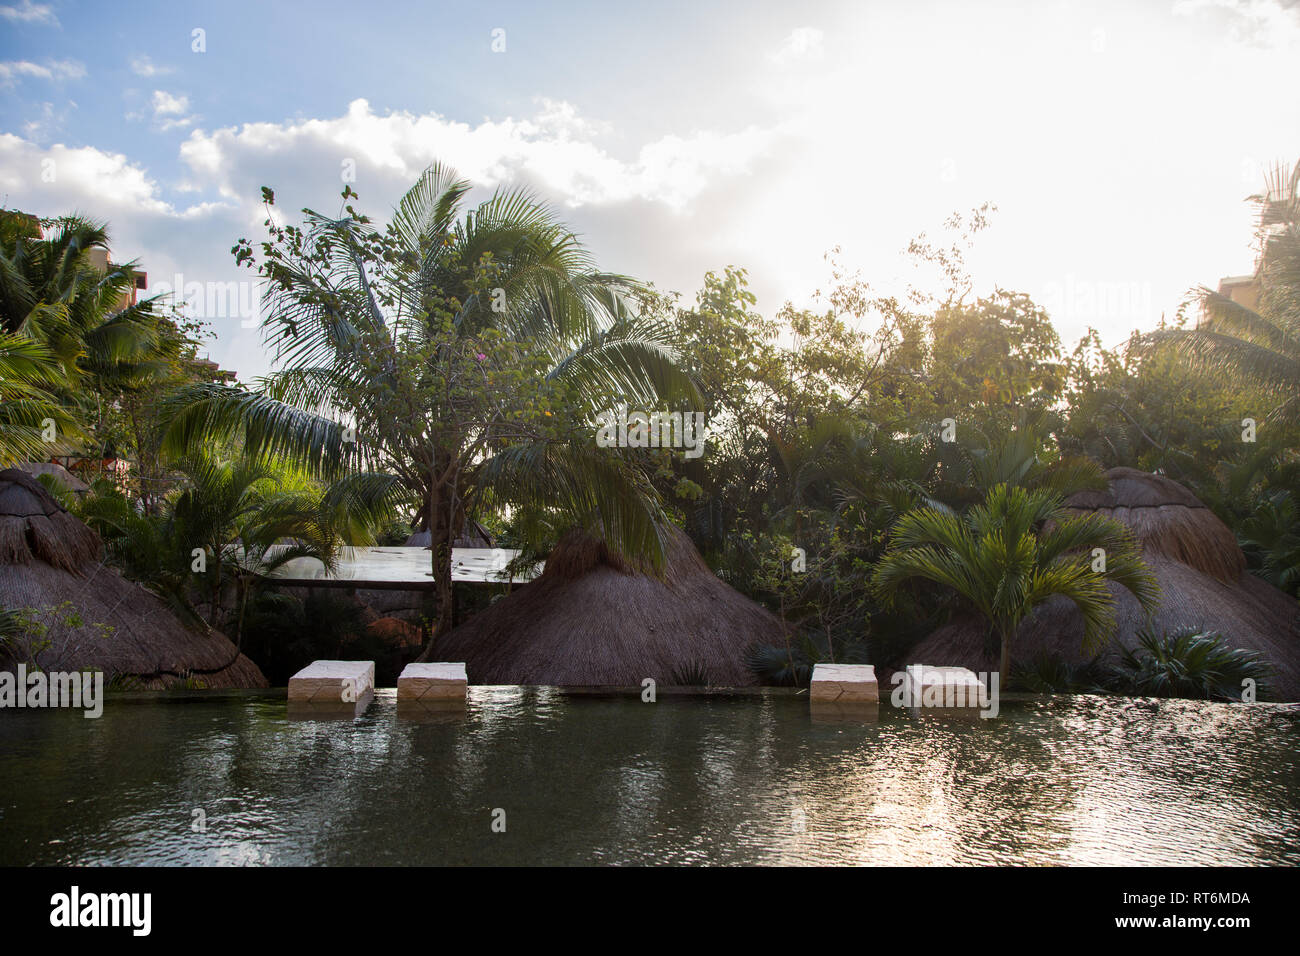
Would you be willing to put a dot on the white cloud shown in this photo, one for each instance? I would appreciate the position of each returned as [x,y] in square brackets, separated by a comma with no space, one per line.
[48,122]
[643,203]
[13,70]
[1269,23]
[143,66]
[28,12]
[555,151]
[171,111]
[803,43]
[74,178]
[165,104]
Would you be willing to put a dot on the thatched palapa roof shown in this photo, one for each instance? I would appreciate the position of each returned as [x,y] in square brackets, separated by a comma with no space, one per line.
[49,557]
[57,472]
[1203,583]
[1168,520]
[36,528]
[595,618]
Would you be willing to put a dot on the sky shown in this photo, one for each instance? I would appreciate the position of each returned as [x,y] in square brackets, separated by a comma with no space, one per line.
[1118,140]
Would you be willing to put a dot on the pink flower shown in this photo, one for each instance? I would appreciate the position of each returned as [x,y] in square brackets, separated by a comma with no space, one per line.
[481,356]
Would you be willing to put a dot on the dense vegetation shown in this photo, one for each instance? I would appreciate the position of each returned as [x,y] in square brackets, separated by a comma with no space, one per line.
[871,465]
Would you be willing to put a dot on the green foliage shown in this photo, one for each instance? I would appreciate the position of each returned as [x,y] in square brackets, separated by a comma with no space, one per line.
[691,674]
[1259,342]
[465,352]
[77,362]
[1013,552]
[247,519]
[30,380]
[1189,663]
[783,665]
[1049,674]
[1143,407]
[995,359]
[1270,538]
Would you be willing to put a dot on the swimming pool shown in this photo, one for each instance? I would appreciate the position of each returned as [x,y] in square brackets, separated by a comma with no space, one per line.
[535,776]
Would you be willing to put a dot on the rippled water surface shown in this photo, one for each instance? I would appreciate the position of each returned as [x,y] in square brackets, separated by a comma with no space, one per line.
[684,780]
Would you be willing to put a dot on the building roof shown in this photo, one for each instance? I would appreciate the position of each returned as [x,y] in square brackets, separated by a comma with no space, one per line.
[1203,583]
[401,568]
[49,558]
[595,618]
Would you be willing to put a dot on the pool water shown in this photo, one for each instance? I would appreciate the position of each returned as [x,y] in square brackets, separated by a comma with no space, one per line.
[532,776]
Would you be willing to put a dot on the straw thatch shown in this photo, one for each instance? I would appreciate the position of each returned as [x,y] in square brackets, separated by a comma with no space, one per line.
[595,618]
[35,527]
[1203,584]
[57,472]
[49,559]
[1168,520]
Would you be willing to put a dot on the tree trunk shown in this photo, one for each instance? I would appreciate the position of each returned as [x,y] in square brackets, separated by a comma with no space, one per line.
[440,519]
[1004,665]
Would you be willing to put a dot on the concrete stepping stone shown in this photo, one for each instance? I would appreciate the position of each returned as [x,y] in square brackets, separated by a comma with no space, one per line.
[343,683]
[428,683]
[947,687]
[844,684]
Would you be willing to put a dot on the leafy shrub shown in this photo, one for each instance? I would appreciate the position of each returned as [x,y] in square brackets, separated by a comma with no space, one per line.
[691,674]
[791,665]
[1189,662]
[1050,674]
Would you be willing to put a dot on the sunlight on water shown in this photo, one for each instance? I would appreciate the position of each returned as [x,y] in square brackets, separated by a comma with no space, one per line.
[685,780]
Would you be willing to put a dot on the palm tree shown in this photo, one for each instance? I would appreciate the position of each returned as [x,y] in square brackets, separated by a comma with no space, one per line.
[465,352]
[29,375]
[1261,344]
[1011,553]
[248,519]
[53,291]
[252,519]
[60,294]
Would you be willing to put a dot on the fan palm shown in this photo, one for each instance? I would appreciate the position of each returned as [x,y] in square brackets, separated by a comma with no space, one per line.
[463,351]
[1011,553]
[1260,343]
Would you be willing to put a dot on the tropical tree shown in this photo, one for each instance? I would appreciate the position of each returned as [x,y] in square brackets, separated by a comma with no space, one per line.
[56,291]
[465,352]
[1261,342]
[29,413]
[245,519]
[60,293]
[1022,455]
[1011,553]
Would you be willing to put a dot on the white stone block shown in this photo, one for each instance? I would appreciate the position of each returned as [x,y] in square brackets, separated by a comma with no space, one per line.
[332,682]
[844,683]
[926,686]
[429,682]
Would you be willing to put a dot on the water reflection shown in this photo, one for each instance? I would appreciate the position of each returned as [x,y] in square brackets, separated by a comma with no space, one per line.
[615,780]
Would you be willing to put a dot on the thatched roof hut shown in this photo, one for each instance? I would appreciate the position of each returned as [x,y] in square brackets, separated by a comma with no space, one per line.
[1203,582]
[594,618]
[49,557]
[57,472]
